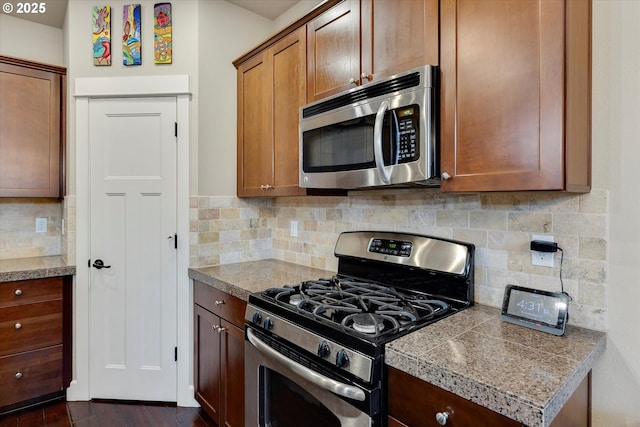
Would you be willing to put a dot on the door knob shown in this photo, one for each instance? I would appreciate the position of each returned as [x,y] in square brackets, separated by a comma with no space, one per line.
[99,264]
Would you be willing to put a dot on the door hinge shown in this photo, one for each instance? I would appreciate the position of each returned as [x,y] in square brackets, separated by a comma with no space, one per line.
[175,129]
[175,354]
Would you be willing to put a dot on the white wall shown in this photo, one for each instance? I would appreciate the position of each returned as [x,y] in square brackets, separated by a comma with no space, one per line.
[616,139]
[227,32]
[32,41]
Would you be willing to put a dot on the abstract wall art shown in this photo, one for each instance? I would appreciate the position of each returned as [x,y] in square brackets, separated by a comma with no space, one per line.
[162,46]
[131,35]
[101,27]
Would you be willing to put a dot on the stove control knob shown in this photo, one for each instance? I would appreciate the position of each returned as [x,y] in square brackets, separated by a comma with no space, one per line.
[268,323]
[323,349]
[257,318]
[342,360]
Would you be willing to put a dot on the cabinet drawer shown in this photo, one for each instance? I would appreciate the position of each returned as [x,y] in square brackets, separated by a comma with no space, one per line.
[408,393]
[30,291]
[224,305]
[31,326]
[29,375]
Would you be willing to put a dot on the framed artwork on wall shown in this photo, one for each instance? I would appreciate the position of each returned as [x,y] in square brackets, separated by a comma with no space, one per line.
[162,26]
[101,28]
[131,35]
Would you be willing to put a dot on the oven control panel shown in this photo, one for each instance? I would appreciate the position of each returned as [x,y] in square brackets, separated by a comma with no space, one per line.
[346,359]
[390,247]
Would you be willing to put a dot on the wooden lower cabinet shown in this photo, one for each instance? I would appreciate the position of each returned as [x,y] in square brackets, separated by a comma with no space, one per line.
[415,403]
[35,341]
[219,354]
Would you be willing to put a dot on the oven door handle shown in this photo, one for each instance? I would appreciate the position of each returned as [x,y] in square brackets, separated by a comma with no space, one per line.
[334,386]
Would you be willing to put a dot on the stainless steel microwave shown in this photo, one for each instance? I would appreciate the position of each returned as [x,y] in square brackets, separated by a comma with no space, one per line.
[380,134]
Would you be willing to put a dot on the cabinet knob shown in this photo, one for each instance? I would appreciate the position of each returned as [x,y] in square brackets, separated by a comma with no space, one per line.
[365,76]
[445,176]
[18,325]
[218,329]
[352,81]
[18,292]
[219,302]
[266,187]
[443,417]
[18,375]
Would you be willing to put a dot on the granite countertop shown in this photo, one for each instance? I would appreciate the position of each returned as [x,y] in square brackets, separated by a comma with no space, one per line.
[523,374]
[244,278]
[34,268]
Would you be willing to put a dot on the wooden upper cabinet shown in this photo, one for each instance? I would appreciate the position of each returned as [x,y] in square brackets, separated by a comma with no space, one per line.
[360,41]
[31,129]
[271,89]
[515,88]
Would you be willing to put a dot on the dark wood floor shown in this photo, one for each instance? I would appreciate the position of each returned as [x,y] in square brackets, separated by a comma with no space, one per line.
[106,413]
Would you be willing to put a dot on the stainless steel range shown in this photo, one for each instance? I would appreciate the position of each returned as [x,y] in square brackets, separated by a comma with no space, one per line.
[314,353]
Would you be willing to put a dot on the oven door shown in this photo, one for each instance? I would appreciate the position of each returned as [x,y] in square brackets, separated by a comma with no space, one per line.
[282,392]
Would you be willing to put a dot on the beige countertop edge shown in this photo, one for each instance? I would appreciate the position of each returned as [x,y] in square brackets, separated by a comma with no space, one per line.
[34,268]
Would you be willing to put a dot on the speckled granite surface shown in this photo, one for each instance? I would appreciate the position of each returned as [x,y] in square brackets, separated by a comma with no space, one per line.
[523,374]
[242,279]
[34,268]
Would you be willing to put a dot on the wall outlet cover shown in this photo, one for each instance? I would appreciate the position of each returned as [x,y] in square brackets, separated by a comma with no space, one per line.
[543,259]
[41,225]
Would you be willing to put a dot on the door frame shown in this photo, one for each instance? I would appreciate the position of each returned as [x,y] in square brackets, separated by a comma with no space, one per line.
[126,87]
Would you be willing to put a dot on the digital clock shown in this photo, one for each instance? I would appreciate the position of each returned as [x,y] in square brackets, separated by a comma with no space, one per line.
[541,310]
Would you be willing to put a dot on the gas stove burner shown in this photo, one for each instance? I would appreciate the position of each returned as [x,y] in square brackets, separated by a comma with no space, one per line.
[367,323]
[295,299]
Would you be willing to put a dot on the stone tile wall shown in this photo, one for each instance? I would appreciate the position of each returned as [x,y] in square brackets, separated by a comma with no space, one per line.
[18,238]
[499,224]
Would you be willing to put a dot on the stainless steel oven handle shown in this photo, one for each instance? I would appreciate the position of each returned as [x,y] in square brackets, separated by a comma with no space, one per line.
[336,387]
[377,142]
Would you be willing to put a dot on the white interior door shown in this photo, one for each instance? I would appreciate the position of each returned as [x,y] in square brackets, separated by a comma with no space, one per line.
[132,332]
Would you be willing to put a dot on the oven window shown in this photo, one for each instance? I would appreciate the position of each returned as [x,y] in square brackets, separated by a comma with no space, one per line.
[284,403]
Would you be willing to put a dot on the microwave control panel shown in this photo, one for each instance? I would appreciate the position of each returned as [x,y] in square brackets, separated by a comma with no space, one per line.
[408,133]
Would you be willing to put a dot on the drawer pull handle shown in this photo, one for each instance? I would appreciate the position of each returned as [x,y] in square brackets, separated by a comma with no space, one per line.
[18,375]
[443,417]
[18,292]
[219,302]
[18,325]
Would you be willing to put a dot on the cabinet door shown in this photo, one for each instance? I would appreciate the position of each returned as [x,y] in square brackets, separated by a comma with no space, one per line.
[30,132]
[207,361]
[333,50]
[232,385]
[398,36]
[255,125]
[502,94]
[290,86]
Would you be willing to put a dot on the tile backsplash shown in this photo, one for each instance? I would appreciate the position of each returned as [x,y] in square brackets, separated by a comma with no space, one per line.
[501,225]
[18,236]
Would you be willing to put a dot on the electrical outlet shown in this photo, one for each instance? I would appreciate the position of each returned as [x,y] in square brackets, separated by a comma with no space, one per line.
[543,259]
[41,225]
[294,228]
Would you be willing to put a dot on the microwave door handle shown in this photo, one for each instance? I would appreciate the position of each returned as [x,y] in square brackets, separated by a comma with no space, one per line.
[377,142]
[334,386]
